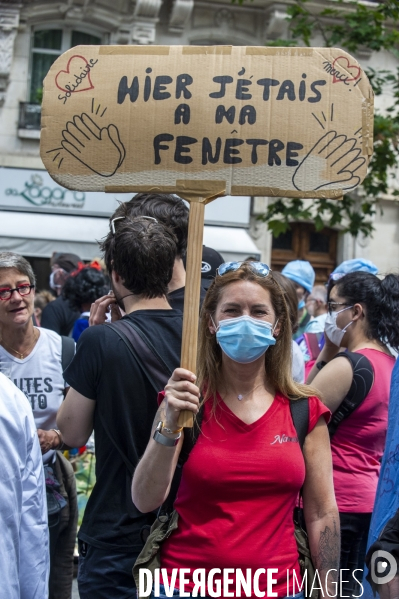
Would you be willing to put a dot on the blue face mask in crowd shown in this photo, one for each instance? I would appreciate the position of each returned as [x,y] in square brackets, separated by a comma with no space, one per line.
[244,339]
[301,304]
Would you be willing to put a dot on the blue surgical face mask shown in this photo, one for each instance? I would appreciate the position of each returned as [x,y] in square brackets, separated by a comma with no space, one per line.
[244,339]
[301,304]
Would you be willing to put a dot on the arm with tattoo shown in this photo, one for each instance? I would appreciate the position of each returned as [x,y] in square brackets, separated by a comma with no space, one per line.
[326,553]
[327,556]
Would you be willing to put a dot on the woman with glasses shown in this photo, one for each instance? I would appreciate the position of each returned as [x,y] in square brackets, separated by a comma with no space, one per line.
[363,317]
[32,359]
[242,478]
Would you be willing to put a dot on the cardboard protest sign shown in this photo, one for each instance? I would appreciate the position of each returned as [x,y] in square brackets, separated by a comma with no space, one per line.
[204,122]
[200,121]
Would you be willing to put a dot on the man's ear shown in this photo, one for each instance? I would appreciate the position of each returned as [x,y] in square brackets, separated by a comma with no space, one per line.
[63,276]
[115,277]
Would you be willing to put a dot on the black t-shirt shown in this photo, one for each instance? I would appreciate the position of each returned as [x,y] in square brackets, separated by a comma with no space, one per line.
[104,370]
[176,298]
[58,316]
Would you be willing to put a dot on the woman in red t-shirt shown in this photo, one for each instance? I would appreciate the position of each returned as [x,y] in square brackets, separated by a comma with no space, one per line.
[241,481]
[363,317]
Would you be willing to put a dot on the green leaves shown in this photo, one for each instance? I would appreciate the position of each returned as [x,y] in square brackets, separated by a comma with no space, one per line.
[354,26]
[352,215]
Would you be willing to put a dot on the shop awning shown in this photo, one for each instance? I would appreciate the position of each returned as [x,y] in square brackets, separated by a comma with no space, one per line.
[232,242]
[39,235]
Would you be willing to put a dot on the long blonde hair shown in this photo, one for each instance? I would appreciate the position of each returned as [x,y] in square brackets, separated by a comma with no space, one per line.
[278,358]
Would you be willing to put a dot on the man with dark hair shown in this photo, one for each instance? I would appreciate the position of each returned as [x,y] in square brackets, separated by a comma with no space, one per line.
[171,211]
[58,316]
[111,393]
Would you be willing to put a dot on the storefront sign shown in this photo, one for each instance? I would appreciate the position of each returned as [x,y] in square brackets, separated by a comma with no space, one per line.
[34,190]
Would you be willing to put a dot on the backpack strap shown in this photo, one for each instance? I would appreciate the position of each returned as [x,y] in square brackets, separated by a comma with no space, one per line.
[300,417]
[67,351]
[362,382]
[152,365]
[312,343]
[145,354]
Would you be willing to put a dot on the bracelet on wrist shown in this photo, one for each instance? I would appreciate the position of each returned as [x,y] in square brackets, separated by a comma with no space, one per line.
[159,437]
[61,445]
[168,430]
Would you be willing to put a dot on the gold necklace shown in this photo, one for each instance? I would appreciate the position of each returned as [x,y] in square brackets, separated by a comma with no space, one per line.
[21,356]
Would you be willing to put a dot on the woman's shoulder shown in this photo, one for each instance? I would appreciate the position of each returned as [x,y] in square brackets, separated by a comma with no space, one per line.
[316,408]
[377,355]
[48,336]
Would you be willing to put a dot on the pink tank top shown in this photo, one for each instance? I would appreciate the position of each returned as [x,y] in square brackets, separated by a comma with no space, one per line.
[359,442]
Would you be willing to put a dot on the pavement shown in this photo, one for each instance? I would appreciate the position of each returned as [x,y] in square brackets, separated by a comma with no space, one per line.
[75,592]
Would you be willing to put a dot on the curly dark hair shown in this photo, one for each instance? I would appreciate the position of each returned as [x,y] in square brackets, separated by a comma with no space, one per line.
[84,287]
[380,299]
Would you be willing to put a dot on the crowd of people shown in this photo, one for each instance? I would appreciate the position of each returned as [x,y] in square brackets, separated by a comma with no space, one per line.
[290,400]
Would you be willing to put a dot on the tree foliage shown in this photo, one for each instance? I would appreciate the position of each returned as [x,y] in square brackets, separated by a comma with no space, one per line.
[354,26]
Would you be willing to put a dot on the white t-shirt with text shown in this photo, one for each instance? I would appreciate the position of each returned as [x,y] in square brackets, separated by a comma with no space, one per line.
[39,376]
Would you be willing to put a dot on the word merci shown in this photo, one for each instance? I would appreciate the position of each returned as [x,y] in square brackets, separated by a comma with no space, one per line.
[220,583]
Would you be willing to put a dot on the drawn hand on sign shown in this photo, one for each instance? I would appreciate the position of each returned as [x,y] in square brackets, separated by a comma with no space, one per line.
[101,150]
[332,162]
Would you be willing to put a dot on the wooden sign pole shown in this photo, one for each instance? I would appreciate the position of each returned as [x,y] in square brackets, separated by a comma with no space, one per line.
[102,141]
[192,294]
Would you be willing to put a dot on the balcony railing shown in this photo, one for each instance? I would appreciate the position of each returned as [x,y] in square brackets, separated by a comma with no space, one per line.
[29,116]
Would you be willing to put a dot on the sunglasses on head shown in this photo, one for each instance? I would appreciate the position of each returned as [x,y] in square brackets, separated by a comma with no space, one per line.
[112,223]
[259,268]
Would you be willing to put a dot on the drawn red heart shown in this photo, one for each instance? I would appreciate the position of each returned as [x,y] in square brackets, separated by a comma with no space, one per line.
[348,67]
[67,77]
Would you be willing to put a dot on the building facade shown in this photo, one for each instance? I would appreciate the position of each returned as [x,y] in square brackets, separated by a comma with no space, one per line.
[39,217]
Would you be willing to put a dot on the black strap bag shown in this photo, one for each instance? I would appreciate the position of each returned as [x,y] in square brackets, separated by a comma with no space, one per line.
[157,373]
